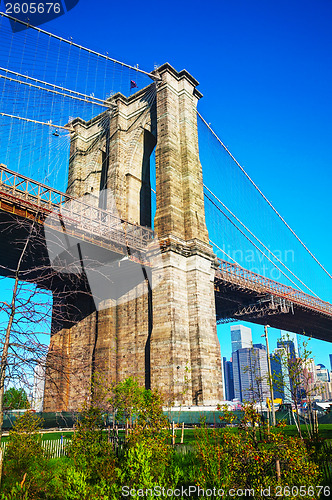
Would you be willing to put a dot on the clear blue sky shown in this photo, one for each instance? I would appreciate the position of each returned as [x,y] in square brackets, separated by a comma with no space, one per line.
[266,74]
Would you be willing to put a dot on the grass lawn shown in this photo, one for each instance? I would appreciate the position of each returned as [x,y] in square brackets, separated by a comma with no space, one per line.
[46,436]
[325,431]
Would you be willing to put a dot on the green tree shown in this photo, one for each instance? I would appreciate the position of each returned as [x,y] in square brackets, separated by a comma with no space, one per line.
[15,399]
[300,379]
[128,399]
[25,456]
[148,459]
[89,449]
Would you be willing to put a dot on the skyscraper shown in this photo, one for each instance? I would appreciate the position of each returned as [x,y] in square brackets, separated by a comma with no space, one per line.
[241,337]
[228,379]
[250,374]
[291,337]
[38,386]
[331,361]
[322,373]
[290,348]
[280,377]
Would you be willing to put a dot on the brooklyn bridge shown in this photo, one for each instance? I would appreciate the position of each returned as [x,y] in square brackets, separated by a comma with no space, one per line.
[126,247]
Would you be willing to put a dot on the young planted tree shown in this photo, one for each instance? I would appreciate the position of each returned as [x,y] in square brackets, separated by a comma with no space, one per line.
[257,385]
[128,399]
[24,451]
[299,384]
[22,317]
[15,399]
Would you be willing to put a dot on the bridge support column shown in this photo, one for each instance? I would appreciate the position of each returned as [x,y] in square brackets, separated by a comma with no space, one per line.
[165,335]
[69,364]
[185,352]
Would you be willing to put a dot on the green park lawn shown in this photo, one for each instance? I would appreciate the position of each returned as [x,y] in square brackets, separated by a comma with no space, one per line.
[325,432]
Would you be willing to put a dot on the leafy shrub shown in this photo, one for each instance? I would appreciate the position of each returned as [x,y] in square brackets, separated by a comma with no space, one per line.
[90,450]
[17,492]
[240,460]
[24,456]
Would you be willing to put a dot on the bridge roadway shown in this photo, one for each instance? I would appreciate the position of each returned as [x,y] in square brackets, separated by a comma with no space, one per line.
[243,295]
[63,220]
[240,294]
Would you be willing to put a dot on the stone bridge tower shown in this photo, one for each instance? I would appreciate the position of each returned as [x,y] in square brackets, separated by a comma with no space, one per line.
[165,334]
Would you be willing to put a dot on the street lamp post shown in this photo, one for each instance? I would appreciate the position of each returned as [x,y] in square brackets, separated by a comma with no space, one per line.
[270,374]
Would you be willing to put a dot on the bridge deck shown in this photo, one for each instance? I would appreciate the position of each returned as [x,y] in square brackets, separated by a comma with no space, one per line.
[232,273]
[27,198]
[242,294]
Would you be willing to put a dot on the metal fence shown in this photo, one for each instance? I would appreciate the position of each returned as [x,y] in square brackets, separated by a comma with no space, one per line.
[89,221]
[54,448]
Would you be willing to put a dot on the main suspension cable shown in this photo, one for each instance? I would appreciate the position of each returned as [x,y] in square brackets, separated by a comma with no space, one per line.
[70,42]
[254,236]
[263,195]
[49,124]
[64,89]
[53,91]
[254,244]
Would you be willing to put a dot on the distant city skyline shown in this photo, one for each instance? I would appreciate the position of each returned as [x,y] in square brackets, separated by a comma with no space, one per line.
[245,373]
[321,351]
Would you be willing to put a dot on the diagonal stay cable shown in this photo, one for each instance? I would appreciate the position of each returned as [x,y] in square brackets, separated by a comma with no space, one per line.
[225,253]
[263,195]
[73,44]
[256,238]
[254,244]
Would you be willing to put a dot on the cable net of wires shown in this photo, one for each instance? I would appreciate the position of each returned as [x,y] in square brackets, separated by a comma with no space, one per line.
[46,82]
[244,228]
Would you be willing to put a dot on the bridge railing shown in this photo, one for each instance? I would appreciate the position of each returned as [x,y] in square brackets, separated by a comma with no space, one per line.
[71,211]
[250,280]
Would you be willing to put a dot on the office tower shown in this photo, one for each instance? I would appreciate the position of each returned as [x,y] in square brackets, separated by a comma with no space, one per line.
[330,355]
[38,386]
[241,337]
[291,337]
[228,381]
[250,374]
[289,346]
[260,346]
[322,373]
[280,377]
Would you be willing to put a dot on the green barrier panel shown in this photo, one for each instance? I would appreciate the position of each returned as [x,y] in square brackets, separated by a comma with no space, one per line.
[60,420]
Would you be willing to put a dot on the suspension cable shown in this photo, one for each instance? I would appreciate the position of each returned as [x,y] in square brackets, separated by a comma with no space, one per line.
[38,87]
[247,237]
[49,124]
[70,42]
[256,238]
[263,195]
[36,80]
